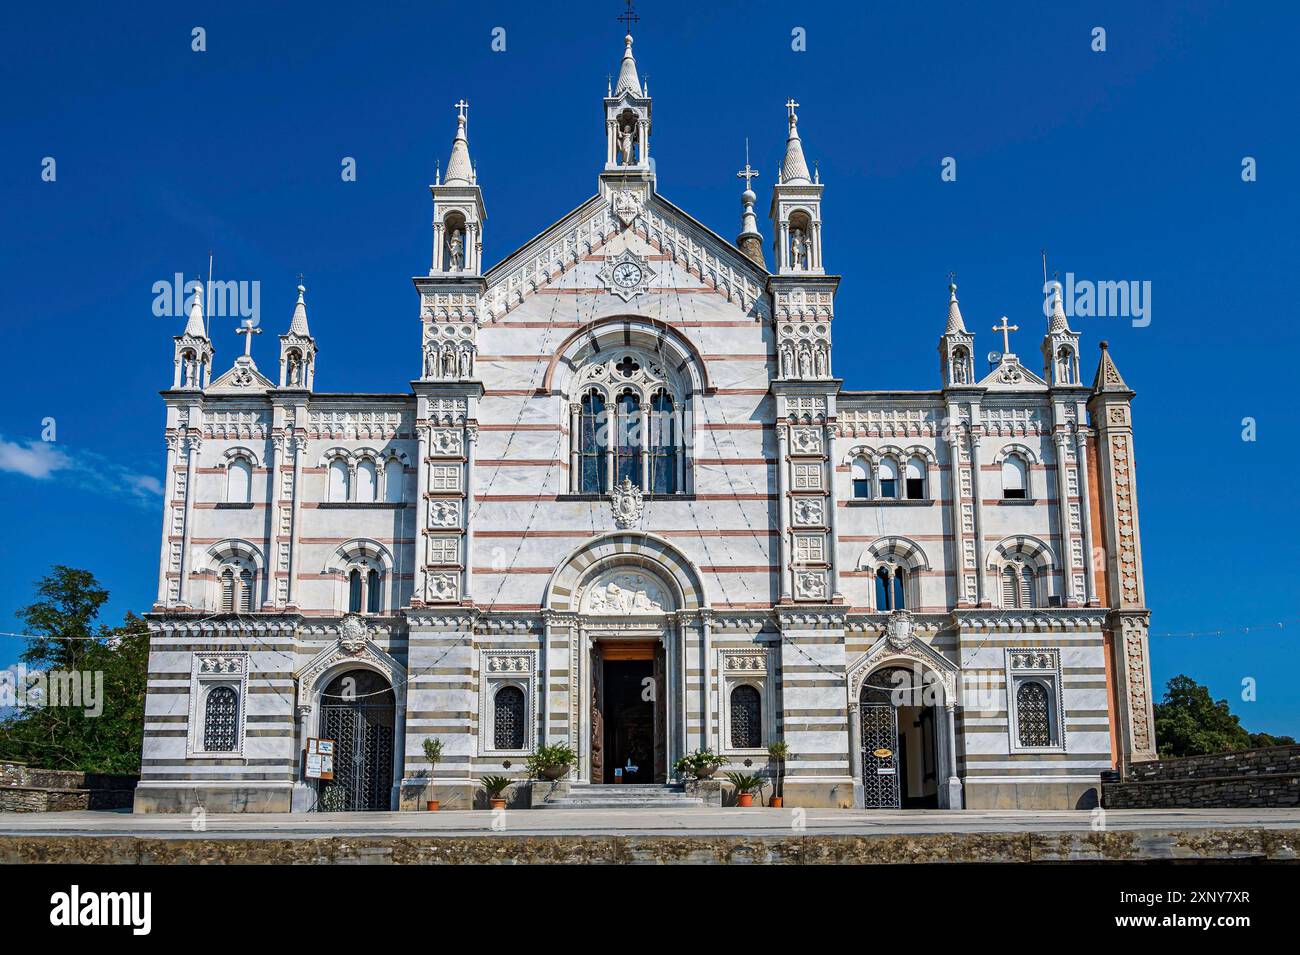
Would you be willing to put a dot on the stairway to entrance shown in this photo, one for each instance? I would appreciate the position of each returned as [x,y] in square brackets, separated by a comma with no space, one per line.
[630,796]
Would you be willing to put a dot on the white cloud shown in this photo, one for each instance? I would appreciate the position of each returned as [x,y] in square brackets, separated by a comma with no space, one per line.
[42,460]
[36,459]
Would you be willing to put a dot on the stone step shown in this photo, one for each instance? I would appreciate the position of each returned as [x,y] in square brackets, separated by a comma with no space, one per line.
[617,796]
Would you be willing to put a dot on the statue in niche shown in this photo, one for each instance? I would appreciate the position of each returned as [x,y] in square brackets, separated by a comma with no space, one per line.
[787,362]
[430,361]
[456,251]
[449,364]
[805,364]
[294,369]
[625,143]
[822,371]
[190,367]
[798,249]
[464,363]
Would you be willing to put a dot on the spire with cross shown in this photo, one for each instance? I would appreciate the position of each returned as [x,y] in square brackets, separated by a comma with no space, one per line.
[791,105]
[628,17]
[249,328]
[747,173]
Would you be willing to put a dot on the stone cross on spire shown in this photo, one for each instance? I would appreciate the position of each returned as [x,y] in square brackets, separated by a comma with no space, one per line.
[247,327]
[462,108]
[628,17]
[792,106]
[1006,331]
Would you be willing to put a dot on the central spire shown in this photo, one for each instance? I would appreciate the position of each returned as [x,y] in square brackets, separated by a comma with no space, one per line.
[628,81]
[795,168]
[459,170]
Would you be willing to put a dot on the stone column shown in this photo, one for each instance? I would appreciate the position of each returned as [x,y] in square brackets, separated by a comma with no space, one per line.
[645,448]
[575,443]
[952,786]
[832,514]
[193,442]
[977,505]
[422,511]
[855,751]
[1085,514]
[706,681]
[957,554]
[1060,442]
[165,559]
[298,446]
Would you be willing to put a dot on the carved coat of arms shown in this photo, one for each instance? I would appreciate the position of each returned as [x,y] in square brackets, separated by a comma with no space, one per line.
[899,629]
[626,205]
[353,634]
[627,504]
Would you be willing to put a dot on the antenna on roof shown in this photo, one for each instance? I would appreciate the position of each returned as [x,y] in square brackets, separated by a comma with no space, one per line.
[207,300]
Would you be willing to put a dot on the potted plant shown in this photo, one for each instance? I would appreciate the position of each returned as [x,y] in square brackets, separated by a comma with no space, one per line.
[745,784]
[701,764]
[779,752]
[433,753]
[551,762]
[495,787]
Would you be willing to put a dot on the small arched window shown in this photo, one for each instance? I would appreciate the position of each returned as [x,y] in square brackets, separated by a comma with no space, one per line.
[508,718]
[1033,714]
[246,591]
[1015,478]
[366,482]
[888,479]
[372,591]
[227,578]
[393,476]
[221,720]
[591,444]
[1019,587]
[239,481]
[237,588]
[916,478]
[746,718]
[354,591]
[861,474]
[338,480]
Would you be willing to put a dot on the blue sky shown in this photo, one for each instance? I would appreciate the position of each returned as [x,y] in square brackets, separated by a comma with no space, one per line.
[1125,164]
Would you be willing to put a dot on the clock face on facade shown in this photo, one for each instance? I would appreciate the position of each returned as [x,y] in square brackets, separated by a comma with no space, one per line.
[627,275]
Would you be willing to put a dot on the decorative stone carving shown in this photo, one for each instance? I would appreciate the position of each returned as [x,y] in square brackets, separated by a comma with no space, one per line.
[899,629]
[809,512]
[443,587]
[625,593]
[353,634]
[626,204]
[444,513]
[627,503]
[810,585]
[446,441]
[806,440]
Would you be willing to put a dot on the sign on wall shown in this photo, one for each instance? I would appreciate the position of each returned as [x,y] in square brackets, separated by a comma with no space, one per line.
[320,758]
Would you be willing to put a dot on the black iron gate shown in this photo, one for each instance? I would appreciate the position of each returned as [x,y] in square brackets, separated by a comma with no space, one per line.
[359,717]
[880,756]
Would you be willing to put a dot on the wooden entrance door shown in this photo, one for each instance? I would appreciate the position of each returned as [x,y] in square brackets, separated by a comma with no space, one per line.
[629,717]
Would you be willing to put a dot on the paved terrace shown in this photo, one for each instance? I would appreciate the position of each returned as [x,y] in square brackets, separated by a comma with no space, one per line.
[668,835]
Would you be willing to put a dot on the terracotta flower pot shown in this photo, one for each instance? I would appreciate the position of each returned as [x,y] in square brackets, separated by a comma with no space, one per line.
[745,800]
[431,805]
[498,803]
[775,802]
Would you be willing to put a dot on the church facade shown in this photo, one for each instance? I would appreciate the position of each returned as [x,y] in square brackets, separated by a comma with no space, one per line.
[626,505]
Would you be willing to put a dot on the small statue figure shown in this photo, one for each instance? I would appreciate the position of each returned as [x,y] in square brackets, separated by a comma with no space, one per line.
[464,363]
[293,369]
[625,143]
[449,364]
[456,250]
[798,249]
[805,364]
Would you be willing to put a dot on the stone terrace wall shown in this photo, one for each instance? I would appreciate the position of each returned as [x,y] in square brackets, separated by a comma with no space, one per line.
[25,789]
[1267,777]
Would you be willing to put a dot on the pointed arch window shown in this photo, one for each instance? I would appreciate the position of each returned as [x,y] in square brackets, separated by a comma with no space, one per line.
[663,444]
[627,438]
[508,718]
[591,444]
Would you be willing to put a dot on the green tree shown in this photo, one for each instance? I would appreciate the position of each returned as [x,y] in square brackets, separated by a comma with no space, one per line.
[67,638]
[1189,723]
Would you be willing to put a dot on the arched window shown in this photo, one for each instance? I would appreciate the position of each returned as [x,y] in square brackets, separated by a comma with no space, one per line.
[591,445]
[354,591]
[221,720]
[1015,478]
[860,470]
[239,481]
[916,478]
[627,438]
[891,588]
[508,718]
[338,480]
[888,472]
[1033,714]
[372,591]
[393,476]
[237,588]
[746,718]
[663,444]
[366,482]
[1019,587]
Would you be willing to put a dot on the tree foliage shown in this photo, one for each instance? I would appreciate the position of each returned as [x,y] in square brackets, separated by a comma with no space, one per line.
[1191,723]
[67,637]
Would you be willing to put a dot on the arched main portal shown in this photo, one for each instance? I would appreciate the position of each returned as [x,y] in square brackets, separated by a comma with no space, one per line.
[358,711]
[900,732]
